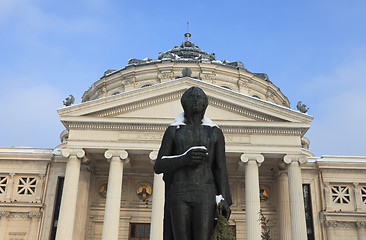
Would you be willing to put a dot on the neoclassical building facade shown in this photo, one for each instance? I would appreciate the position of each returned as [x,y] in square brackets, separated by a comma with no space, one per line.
[99,182]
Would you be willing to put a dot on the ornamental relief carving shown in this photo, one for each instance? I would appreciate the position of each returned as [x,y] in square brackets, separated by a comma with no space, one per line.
[20,215]
[128,80]
[207,76]
[165,76]
[361,224]
[4,214]
[340,224]
[244,84]
[34,215]
[270,96]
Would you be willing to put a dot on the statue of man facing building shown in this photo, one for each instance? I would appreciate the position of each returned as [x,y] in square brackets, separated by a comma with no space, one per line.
[192,158]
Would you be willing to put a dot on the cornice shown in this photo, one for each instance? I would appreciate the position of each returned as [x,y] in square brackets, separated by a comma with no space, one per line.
[26,154]
[156,127]
[115,111]
[242,110]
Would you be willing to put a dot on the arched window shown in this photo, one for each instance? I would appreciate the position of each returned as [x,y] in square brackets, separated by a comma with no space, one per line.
[147,85]
[226,87]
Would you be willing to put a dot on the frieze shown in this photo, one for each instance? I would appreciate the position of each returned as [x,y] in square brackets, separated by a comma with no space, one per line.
[129,136]
[4,214]
[207,76]
[128,80]
[20,215]
[270,95]
[165,76]
[244,83]
[17,234]
[340,224]
[361,224]
[34,215]
[136,127]
[238,139]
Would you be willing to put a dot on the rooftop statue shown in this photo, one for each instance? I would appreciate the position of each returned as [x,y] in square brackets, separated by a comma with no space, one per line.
[186,72]
[302,107]
[69,100]
[192,159]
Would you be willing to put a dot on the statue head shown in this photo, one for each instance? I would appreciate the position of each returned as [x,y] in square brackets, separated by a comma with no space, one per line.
[194,101]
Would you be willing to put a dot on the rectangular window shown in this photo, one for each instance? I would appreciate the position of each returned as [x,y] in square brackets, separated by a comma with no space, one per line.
[341,194]
[139,231]
[60,187]
[363,194]
[27,186]
[3,183]
[308,211]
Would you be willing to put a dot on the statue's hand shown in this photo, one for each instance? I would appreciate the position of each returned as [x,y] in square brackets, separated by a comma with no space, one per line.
[225,209]
[196,156]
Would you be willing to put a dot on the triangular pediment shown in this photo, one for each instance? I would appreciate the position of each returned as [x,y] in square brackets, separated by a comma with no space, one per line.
[160,103]
[169,110]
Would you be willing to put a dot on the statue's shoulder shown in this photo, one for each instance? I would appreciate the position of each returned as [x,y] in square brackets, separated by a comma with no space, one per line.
[218,132]
[170,131]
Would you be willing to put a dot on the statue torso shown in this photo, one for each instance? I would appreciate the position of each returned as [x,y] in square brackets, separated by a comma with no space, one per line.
[188,136]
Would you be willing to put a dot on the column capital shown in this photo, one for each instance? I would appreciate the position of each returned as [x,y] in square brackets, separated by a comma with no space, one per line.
[246,157]
[78,152]
[122,154]
[289,158]
[153,155]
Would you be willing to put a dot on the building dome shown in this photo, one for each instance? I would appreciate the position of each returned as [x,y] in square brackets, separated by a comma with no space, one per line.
[187,51]
[169,65]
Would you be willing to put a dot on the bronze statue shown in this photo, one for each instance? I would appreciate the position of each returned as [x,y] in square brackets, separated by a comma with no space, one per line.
[192,158]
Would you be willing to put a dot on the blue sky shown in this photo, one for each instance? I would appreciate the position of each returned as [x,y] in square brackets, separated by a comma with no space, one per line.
[315,51]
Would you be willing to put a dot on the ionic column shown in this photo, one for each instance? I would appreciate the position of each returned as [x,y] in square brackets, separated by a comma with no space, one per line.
[252,200]
[65,226]
[283,204]
[361,230]
[114,190]
[4,215]
[82,204]
[33,228]
[297,208]
[157,212]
